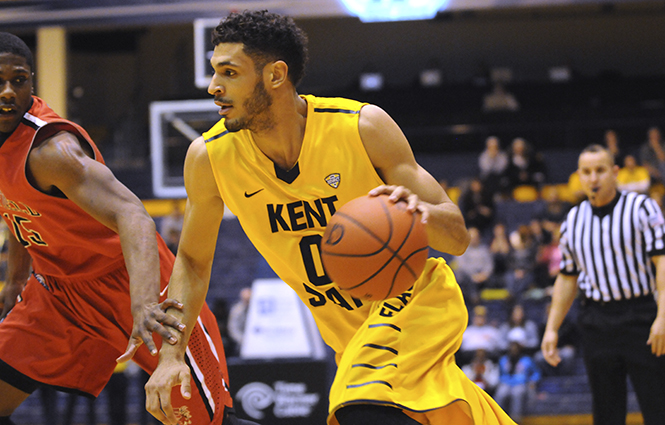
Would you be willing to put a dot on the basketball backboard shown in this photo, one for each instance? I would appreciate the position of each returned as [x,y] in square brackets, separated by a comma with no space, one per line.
[173,126]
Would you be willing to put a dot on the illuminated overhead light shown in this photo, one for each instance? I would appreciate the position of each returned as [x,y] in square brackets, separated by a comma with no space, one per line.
[371,81]
[431,77]
[394,10]
[560,74]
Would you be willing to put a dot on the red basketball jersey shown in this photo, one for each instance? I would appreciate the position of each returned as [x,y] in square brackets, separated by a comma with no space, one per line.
[62,239]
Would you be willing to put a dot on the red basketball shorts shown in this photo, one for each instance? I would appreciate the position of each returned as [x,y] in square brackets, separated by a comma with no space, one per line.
[67,333]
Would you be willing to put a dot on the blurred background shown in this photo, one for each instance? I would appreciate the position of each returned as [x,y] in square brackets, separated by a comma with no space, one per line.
[555,74]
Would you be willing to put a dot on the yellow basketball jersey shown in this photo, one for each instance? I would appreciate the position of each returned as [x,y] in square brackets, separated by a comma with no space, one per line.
[284,213]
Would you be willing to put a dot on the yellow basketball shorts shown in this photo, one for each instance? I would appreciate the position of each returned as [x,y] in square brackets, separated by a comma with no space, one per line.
[403,356]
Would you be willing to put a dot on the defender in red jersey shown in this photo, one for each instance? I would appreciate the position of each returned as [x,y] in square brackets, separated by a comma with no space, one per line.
[86,265]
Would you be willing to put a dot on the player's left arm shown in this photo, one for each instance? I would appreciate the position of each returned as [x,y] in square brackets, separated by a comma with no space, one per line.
[657,334]
[391,155]
[61,162]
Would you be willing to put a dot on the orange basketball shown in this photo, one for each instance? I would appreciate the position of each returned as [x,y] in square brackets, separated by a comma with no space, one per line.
[374,249]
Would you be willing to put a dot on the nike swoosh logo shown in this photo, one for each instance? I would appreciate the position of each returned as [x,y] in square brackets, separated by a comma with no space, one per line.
[164,291]
[249,195]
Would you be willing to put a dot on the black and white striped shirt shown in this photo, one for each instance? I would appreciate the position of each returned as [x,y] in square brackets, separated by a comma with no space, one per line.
[610,247]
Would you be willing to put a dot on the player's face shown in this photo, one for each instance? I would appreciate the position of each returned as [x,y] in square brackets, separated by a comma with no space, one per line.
[598,177]
[239,91]
[15,90]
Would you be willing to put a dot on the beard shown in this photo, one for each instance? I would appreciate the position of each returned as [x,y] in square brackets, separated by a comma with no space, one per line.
[257,107]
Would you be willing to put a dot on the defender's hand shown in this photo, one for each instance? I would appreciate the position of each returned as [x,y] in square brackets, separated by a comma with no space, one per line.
[152,318]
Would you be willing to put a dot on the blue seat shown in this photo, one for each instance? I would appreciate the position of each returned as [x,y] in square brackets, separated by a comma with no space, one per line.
[513,213]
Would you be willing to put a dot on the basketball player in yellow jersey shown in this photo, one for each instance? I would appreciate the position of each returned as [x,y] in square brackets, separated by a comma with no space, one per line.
[283,164]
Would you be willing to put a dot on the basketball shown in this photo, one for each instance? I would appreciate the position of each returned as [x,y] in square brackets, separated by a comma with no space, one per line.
[374,249]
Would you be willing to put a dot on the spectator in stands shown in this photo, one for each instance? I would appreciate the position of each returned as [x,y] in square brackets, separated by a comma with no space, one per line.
[633,177]
[652,154]
[500,249]
[172,238]
[452,191]
[547,262]
[493,163]
[173,221]
[539,234]
[525,167]
[575,188]
[221,310]
[238,316]
[482,371]
[521,262]
[518,376]
[518,320]
[477,206]
[474,269]
[479,335]
[499,99]
[657,196]
[567,345]
[542,239]
[170,226]
[612,145]
[554,212]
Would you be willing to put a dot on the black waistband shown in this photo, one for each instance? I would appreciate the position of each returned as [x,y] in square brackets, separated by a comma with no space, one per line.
[627,302]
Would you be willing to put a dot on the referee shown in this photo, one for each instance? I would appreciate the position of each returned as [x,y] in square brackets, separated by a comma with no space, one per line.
[613,250]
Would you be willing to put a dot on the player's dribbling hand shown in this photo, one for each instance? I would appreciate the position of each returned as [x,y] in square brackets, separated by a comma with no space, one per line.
[152,318]
[158,389]
[549,348]
[401,193]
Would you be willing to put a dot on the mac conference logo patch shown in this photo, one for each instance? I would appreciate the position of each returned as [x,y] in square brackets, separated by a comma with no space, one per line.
[333,180]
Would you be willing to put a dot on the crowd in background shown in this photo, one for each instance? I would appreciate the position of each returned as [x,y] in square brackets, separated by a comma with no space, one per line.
[519,260]
[509,268]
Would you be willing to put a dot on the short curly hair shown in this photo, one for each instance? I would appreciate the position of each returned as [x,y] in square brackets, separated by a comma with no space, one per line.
[266,37]
[9,43]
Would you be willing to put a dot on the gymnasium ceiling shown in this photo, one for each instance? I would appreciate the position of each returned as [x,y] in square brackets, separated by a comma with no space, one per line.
[34,13]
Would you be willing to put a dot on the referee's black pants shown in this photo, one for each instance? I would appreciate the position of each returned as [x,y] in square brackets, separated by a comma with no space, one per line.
[614,343]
